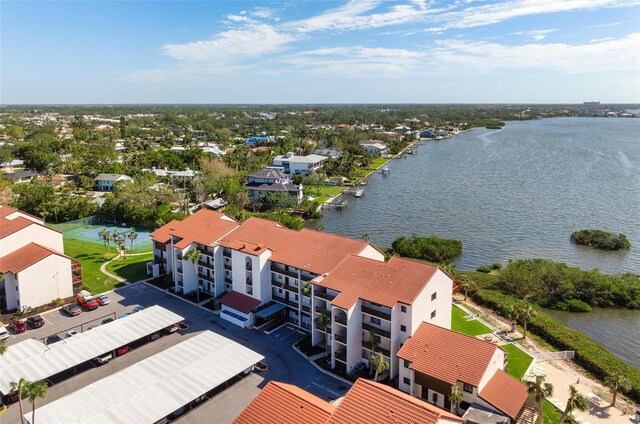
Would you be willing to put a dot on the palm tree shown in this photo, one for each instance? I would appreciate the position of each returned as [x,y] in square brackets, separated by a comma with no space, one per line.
[132,236]
[539,390]
[617,382]
[576,401]
[19,389]
[105,235]
[323,321]
[379,363]
[466,284]
[372,344]
[455,398]
[512,315]
[365,237]
[526,315]
[33,391]
[194,255]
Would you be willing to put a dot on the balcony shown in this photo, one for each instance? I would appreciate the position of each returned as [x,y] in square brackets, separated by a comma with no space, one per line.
[157,258]
[179,257]
[179,269]
[228,280]
[368,352]
[325,296]
[226,253]
[379,331]
[206,278]
[205,251]
[306,309]
[227,267]
[280,285]
[340,356]
[205,264]
[342,338]
[322,310]
[283,271]
[286,301]
[249,281]
[376,313]
[341,320]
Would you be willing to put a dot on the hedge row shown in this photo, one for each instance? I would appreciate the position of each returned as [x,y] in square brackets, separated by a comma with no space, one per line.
[588,354]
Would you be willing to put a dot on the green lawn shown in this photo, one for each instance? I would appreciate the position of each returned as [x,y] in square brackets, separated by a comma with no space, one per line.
[91,256]
[132,269]
[518,361]
[552,414]
[327,191]
[378,163]
[461,325]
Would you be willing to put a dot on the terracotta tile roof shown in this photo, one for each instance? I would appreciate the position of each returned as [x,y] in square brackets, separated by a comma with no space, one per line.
[24,257]
[204,227]
[386,283]
[372,403]
[309,250]
[10,226]
[239,302]
[506,393]
[447,355]
[285,404]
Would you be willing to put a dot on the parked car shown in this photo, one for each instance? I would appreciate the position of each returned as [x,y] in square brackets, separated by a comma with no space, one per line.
[72,309]
[71,334]
[35,321]
[4,333]
[107,321]
[121,351]
[87,301]
[53,339]
[261,366]
[169,330]
[101,360]
[137,309]
[18,326]
[103,300]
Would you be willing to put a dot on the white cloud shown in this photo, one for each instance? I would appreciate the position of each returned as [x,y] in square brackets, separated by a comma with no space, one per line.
[536,34]
[611,24]
[599,40]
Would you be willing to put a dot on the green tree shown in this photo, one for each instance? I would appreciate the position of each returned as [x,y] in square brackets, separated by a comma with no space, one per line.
[132,236]
[372,344]
[365,237]
[576,401]
[193,255]
[105,235]
[539,391]
[379,364]
[33,391]
[526,314]
[512,313]
[18,388]
[466,284]
[323,321]
[455,398]
[33,198]
[617,382]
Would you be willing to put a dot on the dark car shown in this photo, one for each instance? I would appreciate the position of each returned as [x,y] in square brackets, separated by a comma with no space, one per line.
[53,339]
[72,309]
[18,326]
[107,321]
[35,321]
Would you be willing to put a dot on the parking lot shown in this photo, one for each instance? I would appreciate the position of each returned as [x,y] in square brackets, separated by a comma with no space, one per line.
[285,364]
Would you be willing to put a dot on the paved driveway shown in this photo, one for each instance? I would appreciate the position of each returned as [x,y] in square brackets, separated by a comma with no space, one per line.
[285,364]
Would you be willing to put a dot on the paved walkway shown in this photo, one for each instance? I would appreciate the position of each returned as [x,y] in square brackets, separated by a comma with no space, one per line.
[103,267]
[563,373]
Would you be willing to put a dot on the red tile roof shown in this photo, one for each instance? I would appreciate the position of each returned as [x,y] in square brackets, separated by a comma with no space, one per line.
[447,355]
[309,250]
[239,302]
[506,393]
[385,283]
[25,257]
[285,404]
[10,226]
[374,403]
[204,227]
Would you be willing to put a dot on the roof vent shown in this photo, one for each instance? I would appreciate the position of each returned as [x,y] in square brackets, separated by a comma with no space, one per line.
[244,246]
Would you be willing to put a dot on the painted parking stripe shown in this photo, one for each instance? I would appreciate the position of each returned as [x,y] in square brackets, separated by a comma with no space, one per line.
[328,390]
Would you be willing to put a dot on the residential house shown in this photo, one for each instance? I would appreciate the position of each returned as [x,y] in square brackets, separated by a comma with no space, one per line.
[32,262]
[365,402]
[21,176]
[435,359]
[291,164]
[330,153]
[258,140]
[105,182]
[267,181]
[12,165]
[374,147]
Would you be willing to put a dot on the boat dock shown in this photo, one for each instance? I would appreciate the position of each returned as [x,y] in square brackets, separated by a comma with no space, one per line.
[336,203]
[355,191]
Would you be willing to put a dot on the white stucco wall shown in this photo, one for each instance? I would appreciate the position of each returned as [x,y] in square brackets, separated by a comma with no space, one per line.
[372,253]
[44,281]
[423,306]
[32,234]
[497,363]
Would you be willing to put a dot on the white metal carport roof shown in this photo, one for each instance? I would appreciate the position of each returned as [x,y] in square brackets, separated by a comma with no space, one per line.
[33,360]
[154,387]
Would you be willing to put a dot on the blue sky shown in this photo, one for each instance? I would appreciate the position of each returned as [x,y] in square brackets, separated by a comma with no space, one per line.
[358,51]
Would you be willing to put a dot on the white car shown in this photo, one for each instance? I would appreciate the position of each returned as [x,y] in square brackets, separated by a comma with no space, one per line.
[71,334]
[4,333]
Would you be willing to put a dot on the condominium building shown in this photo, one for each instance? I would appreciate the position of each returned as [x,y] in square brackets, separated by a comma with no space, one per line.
[264,273]
[35,270]
[365,402]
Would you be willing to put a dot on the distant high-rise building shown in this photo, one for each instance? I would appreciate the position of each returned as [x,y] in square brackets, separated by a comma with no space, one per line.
[123,126]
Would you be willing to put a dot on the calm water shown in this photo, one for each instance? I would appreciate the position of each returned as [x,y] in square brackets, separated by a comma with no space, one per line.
[514,193]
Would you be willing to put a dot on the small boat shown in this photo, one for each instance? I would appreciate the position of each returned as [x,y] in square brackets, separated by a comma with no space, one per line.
[359,192]
[385,170]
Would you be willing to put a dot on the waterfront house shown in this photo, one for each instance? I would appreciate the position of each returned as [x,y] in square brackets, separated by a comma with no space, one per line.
[330,153]
[375,147]
[291,164]
[435,358]
[105,182]
[32,262]
[267,181]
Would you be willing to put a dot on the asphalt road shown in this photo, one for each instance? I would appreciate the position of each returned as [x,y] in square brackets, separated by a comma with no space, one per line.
[285,364]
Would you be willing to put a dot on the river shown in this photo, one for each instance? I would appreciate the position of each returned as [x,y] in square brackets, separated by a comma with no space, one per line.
[515,193]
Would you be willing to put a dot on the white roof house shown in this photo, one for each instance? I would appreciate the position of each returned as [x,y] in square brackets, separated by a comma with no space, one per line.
[292,164]
[105,182]
[153,388]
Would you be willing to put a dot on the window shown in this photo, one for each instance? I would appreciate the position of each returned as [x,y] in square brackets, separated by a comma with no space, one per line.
[407,364]
[403,328]
[376,321]
[407,381]
[433,314]
[248,263]
[467,388]
[434,397]
[434,296]
[249,290]
[403,309]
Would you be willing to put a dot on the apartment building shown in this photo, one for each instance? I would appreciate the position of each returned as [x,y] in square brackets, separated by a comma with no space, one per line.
[435,359]
[32,262]
[263,272]
[365,402]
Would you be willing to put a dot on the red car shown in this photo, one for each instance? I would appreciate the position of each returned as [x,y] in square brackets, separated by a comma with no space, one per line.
[18,326]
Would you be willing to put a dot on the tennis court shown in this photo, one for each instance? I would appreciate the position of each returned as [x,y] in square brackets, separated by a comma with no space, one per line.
[88,230]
